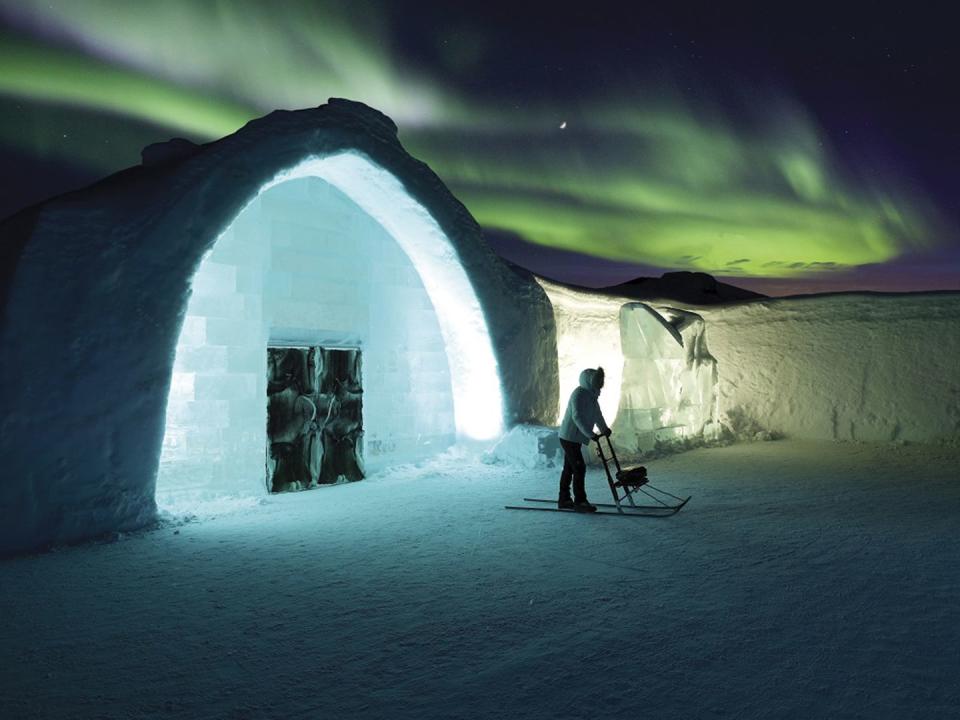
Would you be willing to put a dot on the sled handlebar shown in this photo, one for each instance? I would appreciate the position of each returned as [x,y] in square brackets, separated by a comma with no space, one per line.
[613,453]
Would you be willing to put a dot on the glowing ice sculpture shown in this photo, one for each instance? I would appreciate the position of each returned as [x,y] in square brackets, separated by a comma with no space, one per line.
[669,379]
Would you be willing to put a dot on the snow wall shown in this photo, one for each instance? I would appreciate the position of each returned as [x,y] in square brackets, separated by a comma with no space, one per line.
[95,290]
[859,367]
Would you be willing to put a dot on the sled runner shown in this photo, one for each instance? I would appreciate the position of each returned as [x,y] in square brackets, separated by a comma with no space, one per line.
[628,480]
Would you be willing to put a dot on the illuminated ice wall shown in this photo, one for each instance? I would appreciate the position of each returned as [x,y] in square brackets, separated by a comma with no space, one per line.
[304,265]
[588,335]
[660,379]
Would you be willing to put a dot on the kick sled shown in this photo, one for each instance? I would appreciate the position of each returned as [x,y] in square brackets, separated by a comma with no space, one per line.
[628,481]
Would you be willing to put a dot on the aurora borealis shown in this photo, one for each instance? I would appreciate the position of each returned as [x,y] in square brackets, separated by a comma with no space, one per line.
[659,165]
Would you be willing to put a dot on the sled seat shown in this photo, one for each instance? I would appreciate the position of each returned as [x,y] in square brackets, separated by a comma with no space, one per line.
[631,477]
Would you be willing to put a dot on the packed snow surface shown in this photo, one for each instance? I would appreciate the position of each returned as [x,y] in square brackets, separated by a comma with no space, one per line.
[804,580]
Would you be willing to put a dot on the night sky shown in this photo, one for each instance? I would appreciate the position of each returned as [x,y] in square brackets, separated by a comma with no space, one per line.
[783,150]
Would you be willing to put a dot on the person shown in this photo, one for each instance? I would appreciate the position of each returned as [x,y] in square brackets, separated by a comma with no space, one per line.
[582,414]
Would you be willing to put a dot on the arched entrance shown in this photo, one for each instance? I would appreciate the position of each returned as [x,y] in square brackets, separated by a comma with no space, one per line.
[330,256]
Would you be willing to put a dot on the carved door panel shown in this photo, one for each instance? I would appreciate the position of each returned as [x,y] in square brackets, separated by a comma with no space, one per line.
[342,396]
[314,417]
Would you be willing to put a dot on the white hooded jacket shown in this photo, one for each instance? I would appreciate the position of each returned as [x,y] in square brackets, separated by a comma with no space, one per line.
[583,410]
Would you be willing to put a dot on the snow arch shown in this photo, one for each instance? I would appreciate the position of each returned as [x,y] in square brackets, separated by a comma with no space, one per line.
[95,285]
[331,252]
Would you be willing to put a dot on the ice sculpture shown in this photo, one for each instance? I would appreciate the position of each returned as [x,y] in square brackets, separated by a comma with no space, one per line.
[669,378]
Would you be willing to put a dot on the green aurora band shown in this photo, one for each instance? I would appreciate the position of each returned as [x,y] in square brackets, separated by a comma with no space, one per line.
[657,183]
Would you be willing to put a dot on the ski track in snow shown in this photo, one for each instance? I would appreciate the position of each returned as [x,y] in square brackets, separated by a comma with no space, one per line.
[803,580]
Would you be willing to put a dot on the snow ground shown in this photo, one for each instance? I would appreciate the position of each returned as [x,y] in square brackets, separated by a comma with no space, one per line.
[804,580]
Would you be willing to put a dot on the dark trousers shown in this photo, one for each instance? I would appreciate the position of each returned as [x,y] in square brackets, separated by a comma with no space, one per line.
[574,468]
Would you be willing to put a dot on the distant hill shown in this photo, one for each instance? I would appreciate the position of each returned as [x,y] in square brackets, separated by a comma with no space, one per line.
[696,288]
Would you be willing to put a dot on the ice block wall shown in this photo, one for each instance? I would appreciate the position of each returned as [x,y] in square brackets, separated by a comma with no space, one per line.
[301,265]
